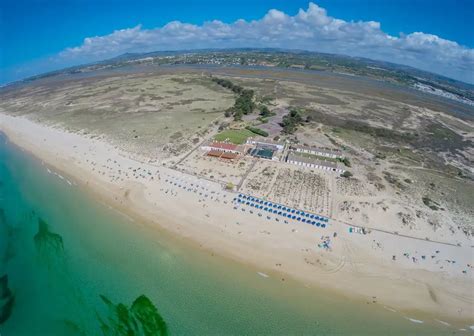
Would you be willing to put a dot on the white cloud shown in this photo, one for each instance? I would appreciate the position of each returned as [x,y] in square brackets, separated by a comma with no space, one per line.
[311,29]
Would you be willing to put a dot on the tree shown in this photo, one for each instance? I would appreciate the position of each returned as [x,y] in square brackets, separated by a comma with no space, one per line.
[264,111]
[291,121]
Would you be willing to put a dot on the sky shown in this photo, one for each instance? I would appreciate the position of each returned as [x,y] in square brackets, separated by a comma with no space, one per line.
[37,36]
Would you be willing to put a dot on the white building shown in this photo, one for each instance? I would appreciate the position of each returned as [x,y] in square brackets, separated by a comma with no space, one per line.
[276,145]
[222,147]
[304,161]
[325,152]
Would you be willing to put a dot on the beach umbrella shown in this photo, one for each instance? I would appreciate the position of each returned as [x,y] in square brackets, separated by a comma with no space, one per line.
[298,219]
[293,217]
[323,225]
[303,220]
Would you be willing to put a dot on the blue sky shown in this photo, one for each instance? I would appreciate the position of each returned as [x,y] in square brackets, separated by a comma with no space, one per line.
[35,35]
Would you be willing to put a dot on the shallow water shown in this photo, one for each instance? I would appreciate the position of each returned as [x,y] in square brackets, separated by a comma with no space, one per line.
[62,250]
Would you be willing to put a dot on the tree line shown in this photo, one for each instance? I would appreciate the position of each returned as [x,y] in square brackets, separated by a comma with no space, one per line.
[243,104]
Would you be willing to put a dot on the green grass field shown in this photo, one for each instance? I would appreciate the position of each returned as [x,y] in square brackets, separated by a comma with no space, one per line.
[235,136]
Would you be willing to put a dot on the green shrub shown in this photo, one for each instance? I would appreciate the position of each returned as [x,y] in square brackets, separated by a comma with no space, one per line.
[257,131]
[346,174]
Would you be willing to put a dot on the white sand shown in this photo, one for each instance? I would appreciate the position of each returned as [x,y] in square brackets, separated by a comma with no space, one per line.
[358,266]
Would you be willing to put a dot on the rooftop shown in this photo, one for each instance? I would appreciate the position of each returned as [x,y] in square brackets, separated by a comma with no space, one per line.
[222,155]
[304,159]
[223,145]
[265,140]
[319,149]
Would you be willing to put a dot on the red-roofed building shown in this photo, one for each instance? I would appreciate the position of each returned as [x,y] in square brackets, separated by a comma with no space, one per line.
[223,155]
[222,147]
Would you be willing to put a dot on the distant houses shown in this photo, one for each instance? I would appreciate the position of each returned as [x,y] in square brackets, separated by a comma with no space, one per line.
[309,162]
[324,152]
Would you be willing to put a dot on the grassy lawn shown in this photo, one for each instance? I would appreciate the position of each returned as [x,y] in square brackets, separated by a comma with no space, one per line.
[235,136]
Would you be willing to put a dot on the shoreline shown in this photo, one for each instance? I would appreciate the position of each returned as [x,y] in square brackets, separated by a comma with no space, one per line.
[350,270]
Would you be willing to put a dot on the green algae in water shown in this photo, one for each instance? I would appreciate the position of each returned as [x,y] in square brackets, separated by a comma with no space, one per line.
[6,299]
[73,328]
[8,232]
[141,319]
[49,245]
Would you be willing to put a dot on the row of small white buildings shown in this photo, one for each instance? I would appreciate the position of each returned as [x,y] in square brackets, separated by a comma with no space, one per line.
[324,152]
[301,160]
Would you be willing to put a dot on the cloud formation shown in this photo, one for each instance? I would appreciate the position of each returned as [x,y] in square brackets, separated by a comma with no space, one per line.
[312,29]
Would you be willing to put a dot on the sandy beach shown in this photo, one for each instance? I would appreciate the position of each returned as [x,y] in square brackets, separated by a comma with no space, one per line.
[417,278]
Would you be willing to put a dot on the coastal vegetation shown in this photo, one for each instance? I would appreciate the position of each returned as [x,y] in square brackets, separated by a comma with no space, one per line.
[346,174]
[257,131]
[265,111]
[244,102]
[291,121]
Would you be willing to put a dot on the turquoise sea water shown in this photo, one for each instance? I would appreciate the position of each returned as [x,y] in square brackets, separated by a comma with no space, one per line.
[62,250]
